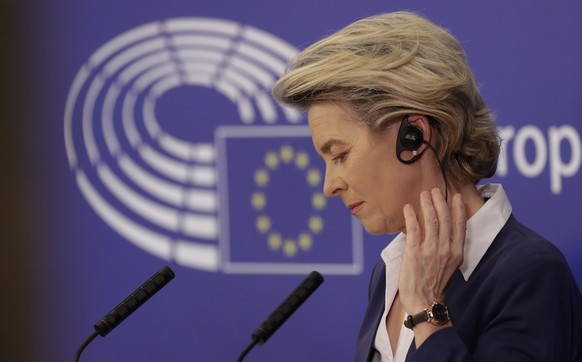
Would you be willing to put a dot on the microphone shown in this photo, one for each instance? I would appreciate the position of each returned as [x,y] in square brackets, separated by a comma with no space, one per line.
[129,305]
[284,311]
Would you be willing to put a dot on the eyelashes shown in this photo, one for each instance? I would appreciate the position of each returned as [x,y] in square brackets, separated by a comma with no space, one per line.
[340,157]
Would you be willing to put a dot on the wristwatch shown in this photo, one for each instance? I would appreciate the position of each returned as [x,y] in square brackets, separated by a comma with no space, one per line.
[437,314]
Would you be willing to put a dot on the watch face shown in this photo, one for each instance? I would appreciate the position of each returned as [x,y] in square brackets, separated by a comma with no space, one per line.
[439,313]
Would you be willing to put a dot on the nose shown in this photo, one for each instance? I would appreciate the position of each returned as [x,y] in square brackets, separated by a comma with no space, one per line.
[333,184]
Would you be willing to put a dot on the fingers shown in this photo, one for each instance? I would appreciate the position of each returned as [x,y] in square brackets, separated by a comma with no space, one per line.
[443,216]
[441,226]
[443,230]
[451,225]
[431,221]
[435,237]
[437,218]
[413,237]
[459,228]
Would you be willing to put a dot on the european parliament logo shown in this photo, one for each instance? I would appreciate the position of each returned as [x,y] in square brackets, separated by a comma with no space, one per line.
[256,206]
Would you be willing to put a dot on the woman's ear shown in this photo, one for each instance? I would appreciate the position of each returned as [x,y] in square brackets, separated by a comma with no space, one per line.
[422,122]
[413,138]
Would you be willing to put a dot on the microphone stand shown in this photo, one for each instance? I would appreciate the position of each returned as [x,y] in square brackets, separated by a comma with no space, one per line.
[82,347]
[284,311]
[246,351]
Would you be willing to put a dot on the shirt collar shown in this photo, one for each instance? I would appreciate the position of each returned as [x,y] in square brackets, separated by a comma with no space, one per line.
[482,228]
[394,249]
[484,225]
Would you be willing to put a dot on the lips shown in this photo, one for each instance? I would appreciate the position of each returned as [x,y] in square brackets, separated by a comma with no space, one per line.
[355,207]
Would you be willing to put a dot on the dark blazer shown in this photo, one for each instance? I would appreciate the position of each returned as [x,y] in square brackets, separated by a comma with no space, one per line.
[521,303]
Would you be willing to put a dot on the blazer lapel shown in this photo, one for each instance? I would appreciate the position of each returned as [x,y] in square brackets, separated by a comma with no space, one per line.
[373,314]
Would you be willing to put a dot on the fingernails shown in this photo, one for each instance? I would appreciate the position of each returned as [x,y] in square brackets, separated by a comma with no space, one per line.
[437,192]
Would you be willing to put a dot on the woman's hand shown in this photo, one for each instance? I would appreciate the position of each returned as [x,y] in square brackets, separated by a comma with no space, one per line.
[434,250]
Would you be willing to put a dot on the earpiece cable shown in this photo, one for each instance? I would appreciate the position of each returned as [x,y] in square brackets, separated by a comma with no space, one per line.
[441,167]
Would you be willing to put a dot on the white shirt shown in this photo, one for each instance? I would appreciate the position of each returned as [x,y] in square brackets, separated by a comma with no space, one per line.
[482,228]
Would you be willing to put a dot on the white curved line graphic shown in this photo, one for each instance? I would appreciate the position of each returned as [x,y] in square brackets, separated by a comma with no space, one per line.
[153,74]
[190,224]
[209,55]
[155,243]
[265,78]
[149,112]
[164,181]
[171,193]
[180,41]
[228,90]
[176,170]
[107,118]
[203,200]
[146,63]
[199,67]
[224,27]
[128,121]
[162,86]
[239,80]
[160,215]
[270,42]
[183,150]
[122,41]
[200,256]
[266,107]
[88,108]
[80,78]
[199,79]
[261,57]
[130,55]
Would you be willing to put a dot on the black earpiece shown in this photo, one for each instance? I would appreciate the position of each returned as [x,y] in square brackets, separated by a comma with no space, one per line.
[409,138]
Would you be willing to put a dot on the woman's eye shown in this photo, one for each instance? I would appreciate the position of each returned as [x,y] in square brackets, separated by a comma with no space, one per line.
[340,157]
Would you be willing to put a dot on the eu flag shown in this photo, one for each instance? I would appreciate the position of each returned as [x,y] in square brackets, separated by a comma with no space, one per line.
[273,216]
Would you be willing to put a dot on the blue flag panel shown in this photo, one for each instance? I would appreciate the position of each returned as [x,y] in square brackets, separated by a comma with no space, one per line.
[274,216]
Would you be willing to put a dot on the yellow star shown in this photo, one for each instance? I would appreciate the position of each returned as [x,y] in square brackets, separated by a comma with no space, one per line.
[258,200]
[263,224]
[275,241]
[301,160]
[287,153]
[318,201]
[313,177]
[290,248]
[305,241]
[315,224]
[271,160]
[261,177]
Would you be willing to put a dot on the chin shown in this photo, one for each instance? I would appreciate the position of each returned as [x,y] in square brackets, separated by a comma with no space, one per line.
[375,229]
[379,228]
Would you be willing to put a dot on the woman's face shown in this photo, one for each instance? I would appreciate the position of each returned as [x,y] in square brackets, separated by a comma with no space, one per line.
[362,168]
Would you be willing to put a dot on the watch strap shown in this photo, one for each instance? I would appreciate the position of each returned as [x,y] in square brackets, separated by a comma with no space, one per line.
[418,318]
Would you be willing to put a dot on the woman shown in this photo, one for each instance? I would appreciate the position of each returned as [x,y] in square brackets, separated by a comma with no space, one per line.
[395,112]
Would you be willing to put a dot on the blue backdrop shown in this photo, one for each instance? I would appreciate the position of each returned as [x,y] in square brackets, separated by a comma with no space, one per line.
[142,133]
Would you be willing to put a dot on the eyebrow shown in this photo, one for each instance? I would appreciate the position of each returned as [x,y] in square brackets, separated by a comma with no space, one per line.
[326,147]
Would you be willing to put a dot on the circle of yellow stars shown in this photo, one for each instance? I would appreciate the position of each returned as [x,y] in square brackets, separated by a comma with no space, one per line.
[289,246]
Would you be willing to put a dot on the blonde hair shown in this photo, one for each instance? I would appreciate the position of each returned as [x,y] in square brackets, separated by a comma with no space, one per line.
[387,66]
